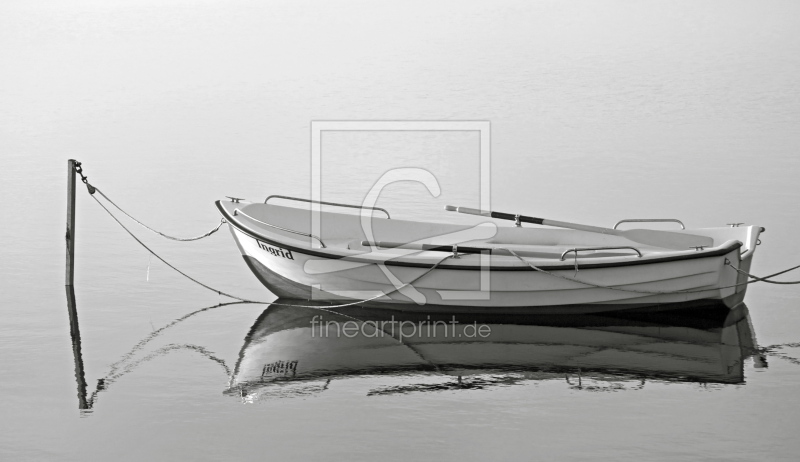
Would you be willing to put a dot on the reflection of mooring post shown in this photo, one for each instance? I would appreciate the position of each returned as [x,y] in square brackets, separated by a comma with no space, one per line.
[74,328]
[75,333]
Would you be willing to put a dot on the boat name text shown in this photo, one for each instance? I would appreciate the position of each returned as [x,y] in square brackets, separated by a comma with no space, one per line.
[276,251]
[280,367]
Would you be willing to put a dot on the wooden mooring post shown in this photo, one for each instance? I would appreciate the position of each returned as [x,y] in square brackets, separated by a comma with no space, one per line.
[72,309]
[70,222]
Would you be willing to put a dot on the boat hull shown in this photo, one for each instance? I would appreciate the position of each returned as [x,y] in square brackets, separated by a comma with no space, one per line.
[492,283]
[517,291]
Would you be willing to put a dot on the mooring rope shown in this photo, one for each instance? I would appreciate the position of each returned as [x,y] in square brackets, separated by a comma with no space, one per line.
[382,294]
[765,279]
[166,262]
[182,239]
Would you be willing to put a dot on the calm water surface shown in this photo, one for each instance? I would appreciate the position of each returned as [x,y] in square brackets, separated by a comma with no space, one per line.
[599,111]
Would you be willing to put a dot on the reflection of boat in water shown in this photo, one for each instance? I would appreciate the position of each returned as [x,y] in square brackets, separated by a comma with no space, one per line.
[292,350]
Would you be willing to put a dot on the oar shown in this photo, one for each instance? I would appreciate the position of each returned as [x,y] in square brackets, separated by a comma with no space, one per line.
[454,248]
[666,239]
[431,247]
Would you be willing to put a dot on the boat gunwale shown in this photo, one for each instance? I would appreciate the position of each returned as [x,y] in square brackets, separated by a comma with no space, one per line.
[567,266]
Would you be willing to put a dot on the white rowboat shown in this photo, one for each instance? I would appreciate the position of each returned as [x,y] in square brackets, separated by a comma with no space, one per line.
[343,257]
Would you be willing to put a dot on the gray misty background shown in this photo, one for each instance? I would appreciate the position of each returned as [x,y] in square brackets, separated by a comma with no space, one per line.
[600,110]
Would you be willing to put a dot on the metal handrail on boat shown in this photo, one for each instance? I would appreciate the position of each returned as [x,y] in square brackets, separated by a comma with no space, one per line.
[239,212]
[581,249]
[650,220]
[328,203]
